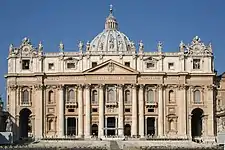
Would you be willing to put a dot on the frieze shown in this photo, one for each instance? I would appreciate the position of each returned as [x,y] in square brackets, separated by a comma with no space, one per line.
[102,78]
[51,86]
[172,78]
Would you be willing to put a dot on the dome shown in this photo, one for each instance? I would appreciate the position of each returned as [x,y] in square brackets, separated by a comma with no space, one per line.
[111,39]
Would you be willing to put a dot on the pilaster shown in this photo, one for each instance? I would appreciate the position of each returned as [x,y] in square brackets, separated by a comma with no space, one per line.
[141,110]
[88,111]
[61,111]
[134,111]
[101,111]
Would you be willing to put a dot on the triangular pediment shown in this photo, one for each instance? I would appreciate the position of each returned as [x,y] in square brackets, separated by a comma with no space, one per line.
[111,67]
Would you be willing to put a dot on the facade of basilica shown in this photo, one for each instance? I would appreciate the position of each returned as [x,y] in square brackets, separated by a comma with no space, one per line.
[111,86]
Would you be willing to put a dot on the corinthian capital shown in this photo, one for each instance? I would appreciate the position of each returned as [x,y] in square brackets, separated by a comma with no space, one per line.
[80,86]
[60,87]
[141,86]
[160,86]
[120,86]
[210,87]
[12,87]
[182,87]
[101,86]
[38,87]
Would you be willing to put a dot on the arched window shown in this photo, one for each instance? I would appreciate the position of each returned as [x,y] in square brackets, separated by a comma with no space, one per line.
[25,97]
[127,98]
[171,96]
[150,96]
[50,97]
[71,96]
[50,125]
[94,97]
[110,96]
[197,98]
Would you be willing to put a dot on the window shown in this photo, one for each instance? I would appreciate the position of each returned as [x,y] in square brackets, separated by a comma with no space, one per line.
[197,98]
[150,65]
[127,109]
[110,96]
[127,96]
[71,110]
[70,65]
[196,63]
[150,96]
[94,64]
[25,97]
[71,96]
[171,96]
[25,64]
[94,109]
[127,64]
[150,110]
[94,97]
[171,66]
[50,97]
[51,66]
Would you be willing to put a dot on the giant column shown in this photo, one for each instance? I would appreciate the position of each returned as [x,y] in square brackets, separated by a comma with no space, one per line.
[160,115]
[121,112]
[88,112]
[134,111]
[61,112]
[182,119]
[141,110]
[38,111]
[101,111]
[80,112]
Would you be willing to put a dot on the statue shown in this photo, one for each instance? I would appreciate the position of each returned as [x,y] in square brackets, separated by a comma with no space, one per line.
[40,46]
[120,46]
[132,44]
[61,47]
[101,46]
[25,41]
[141,46]
[88,46]
[160,46]
[8,125]
[80,45]
[181,46]
[195,40]
[10,48]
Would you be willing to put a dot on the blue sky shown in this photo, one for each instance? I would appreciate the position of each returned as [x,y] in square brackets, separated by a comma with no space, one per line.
[169,21]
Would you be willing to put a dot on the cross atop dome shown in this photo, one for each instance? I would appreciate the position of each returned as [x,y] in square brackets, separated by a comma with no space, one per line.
[111,23]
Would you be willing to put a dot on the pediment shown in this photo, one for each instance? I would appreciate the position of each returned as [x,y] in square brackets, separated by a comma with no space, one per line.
[111,67]
[150,59]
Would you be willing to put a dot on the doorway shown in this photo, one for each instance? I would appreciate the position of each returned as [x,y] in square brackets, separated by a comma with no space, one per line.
[71,126]
[127,130]
[196,122]
[94,129]
[111,125]
[25,125]
[151,126]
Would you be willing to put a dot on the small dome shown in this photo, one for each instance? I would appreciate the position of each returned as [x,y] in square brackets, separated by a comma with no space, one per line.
[111,39]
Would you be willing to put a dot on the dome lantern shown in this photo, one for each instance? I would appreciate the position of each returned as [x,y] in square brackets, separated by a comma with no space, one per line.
[111,23]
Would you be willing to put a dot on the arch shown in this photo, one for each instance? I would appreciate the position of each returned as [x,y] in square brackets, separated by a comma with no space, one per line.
[171,96]
[196,122]
[94,96]
[197,97]
[71,96]
[25,97]
[127,98]
[127,130]
[94,130]
[25,125]
[50,97]
[150,96]
[110,95]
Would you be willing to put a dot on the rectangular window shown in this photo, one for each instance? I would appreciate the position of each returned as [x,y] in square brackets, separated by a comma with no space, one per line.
[25,64]
[127,109]
[51,66]
[94,109]
[70,110]
[196,63]
[70,65]
[127,64]
[150,65]
[150,110]
[171,66]
[94,64]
